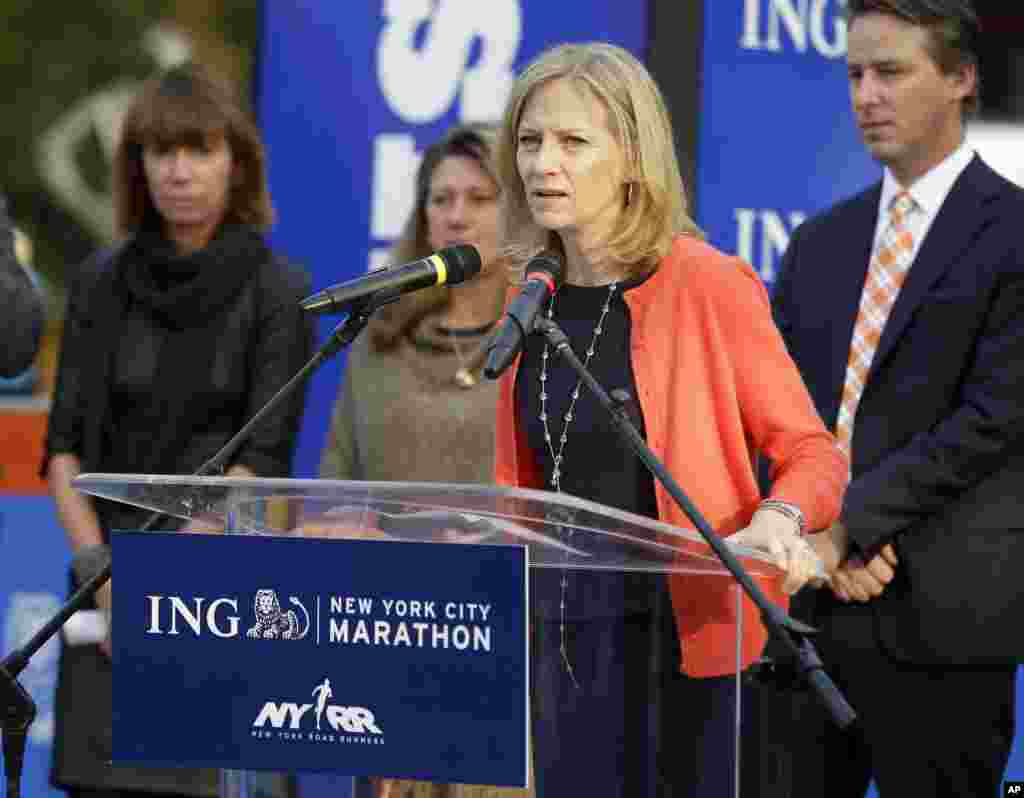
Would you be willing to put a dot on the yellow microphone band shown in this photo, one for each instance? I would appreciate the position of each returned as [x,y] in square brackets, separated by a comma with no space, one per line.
[442,270]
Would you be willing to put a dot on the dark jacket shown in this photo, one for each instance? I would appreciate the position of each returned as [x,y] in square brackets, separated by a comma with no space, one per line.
[21,321]
[262,339]
[938,446]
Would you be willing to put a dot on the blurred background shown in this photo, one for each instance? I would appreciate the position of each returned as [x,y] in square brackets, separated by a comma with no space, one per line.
[347,94]
[67,74]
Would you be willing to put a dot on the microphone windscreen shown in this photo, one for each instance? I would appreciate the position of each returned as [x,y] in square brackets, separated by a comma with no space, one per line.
[550,262]
[461,261]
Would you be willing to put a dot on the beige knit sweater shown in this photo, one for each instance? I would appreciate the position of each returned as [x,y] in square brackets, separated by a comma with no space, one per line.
[401,414]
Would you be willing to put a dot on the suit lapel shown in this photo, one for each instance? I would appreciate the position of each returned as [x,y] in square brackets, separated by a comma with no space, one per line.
[960,219]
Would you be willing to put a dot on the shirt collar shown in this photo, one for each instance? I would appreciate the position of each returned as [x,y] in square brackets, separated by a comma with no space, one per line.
[930,189]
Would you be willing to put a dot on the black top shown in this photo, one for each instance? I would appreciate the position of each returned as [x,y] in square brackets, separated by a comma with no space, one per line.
[596,464]
[256,343]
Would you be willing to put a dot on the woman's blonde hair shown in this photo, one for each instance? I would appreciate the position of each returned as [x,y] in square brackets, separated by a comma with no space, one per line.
[654,199]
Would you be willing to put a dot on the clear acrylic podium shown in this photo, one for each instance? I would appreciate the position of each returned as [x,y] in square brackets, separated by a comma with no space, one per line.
[560,532]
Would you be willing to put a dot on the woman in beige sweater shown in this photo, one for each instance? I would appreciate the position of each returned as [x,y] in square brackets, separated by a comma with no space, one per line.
[413,405]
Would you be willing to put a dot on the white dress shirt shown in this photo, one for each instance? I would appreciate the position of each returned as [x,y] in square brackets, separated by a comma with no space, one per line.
[929,192]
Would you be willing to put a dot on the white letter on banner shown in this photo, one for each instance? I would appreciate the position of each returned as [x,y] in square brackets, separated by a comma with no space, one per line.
[793,18]
[421,84]
[837,47]
[774,240]
[297,712]
[154,615]
[339,632]
[751,25]
[211,618]
[395,162]
[272,713]
[179,608]
[745,218]
[774,237]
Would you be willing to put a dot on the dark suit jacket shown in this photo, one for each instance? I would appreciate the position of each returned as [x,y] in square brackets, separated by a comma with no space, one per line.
[938,446]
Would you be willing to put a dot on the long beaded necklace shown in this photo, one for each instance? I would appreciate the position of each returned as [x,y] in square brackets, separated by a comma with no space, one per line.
[557,458]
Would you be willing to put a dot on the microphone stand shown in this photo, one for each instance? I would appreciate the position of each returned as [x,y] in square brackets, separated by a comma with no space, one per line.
[791,633]
[17,706]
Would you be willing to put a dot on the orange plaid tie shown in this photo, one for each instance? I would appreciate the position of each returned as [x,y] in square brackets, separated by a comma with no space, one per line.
[886,273]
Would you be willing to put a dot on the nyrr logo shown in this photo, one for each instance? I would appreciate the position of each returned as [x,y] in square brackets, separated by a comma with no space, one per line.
[326,723]
[174,615]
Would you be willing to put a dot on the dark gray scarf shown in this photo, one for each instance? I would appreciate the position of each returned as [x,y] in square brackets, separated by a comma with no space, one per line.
[185,294]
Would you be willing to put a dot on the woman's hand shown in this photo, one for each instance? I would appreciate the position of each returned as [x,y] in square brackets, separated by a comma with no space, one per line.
[778,535]
[204,525]
[349,523]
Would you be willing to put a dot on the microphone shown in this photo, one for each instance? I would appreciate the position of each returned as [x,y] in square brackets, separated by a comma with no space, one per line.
[544,275]
[449,266]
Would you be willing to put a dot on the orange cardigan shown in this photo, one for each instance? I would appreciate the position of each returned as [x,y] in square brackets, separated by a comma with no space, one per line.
[716,385]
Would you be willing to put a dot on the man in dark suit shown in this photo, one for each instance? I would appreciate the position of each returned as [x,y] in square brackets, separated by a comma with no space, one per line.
[904,309]
[21,306]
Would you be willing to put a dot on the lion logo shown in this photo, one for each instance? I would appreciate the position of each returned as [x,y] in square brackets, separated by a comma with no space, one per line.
[273,623]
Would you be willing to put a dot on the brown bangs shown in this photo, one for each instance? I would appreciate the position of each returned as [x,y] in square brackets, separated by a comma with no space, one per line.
[177,111]
[174,127]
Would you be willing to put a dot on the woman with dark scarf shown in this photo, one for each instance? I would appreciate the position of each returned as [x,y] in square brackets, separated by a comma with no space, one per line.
[171,343]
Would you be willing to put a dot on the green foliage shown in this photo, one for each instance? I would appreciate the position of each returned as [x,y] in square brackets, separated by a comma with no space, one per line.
[53,56]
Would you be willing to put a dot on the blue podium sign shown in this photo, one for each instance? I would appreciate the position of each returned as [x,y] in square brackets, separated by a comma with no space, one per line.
[297,654]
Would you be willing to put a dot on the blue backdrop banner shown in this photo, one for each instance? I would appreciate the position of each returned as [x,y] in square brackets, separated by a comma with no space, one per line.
[777,141]
[350,95]
[350,656]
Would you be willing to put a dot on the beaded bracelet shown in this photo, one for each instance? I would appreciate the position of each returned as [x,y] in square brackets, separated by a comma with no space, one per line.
[791,511]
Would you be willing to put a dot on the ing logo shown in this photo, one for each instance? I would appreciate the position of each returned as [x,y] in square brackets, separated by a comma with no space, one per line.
[175,615]
[800,25]
[273,623]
